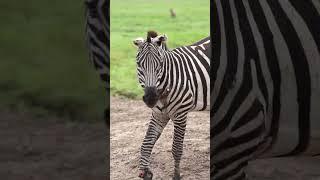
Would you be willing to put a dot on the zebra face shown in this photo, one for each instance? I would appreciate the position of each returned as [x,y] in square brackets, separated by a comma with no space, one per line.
[150,59]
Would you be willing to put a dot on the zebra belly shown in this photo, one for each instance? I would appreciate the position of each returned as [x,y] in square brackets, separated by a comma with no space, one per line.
[201,107]
[289,128]
[288,139]
[202,102]
[314,146]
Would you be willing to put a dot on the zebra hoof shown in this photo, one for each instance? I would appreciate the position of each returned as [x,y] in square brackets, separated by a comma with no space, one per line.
[146,174]
[176,177]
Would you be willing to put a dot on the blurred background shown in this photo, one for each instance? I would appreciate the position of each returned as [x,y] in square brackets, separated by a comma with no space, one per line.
[51,99]
[184,22]
[44,66]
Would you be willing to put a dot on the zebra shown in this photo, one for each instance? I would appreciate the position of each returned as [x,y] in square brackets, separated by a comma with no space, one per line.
[97,31]
[175,82]
[97,36]
[265,82]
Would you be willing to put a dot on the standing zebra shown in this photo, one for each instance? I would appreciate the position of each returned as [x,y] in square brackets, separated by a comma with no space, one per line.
[265,82]
[175,82]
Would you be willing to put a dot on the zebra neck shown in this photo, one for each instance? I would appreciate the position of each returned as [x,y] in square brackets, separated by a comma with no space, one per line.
[168,70]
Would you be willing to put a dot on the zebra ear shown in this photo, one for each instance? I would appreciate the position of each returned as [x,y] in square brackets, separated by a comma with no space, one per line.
[160,39]
[138,41]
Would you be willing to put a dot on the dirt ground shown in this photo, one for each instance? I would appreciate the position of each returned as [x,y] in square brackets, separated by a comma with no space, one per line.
[50,149]
[53,149]
[129,119]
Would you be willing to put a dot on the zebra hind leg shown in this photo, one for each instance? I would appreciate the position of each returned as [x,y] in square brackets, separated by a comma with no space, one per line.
[177,146]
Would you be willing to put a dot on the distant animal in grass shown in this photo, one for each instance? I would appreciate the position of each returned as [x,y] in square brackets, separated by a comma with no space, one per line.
[173,13]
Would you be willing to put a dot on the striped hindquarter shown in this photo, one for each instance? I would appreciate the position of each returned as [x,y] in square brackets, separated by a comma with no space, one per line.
[266,82]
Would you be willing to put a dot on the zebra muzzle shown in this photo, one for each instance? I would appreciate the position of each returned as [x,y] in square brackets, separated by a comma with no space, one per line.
[150,97]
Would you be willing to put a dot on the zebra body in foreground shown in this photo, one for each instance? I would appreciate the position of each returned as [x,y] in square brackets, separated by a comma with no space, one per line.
[175,82]
[265,86]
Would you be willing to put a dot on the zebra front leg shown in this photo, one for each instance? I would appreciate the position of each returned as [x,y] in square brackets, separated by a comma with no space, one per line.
[156,125]
[177,146]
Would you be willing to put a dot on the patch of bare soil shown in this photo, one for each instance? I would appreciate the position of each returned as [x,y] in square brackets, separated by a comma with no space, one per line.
[129,120]
[50,149]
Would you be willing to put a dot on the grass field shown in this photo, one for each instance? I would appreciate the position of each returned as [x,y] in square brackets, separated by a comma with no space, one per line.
[133,18]
[44,65]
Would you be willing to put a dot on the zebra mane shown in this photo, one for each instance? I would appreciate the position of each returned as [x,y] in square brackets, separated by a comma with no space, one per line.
[151,34]
[165,46]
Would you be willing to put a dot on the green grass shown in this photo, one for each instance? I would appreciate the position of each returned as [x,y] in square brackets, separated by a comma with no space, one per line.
[133,18]
[44,65]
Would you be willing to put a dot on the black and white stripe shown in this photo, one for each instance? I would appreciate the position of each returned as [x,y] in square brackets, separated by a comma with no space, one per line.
[177,81]
[97,36]
[98,41]
[265,82]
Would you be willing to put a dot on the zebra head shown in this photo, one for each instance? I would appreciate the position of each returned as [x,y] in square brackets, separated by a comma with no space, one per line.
[150,60]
